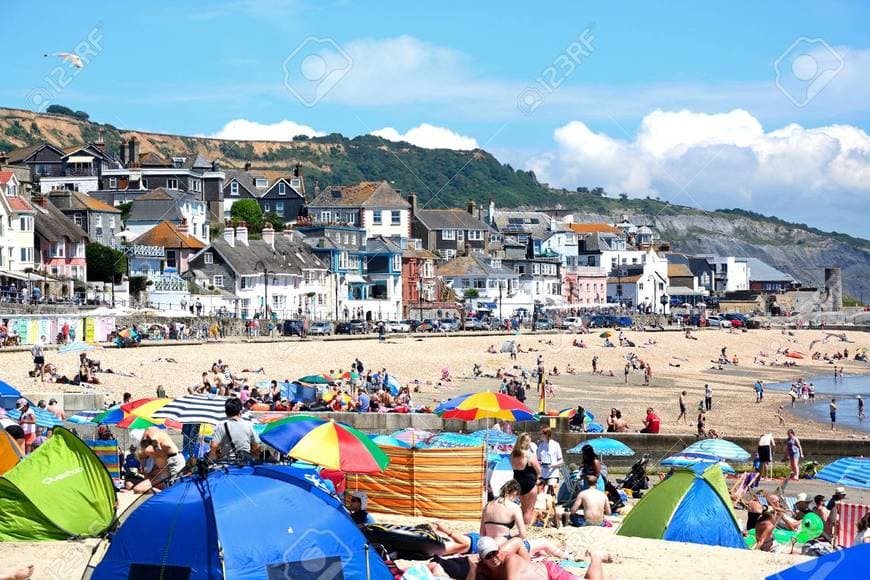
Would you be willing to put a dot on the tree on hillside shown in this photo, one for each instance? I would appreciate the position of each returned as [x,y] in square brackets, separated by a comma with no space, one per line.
[61,110]
[103,262]
[248,211]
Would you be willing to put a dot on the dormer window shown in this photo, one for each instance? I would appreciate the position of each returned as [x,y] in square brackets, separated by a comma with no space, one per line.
[260,182]
[171,183]
[296,182]
[234,188]
[282,188]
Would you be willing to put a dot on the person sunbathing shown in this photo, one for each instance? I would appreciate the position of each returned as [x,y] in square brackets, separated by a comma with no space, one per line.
[497,564]
[491,349]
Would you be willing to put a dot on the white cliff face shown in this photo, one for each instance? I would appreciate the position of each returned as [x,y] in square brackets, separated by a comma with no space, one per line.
[798,252]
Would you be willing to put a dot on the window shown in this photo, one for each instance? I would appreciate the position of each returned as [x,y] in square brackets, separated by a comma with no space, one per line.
[113,183]
[234,188]
[449,254]
[58,250]
[77,218]
[448,234]
[112,222]
[218,281]
[325,216]
[296,182]
[26,254]
[144,183]
[260,182]
[25,223]
[397,263]
[80,250]
[460,235]
[208,258]
[171,261]
[267,207]
[279,208]
[98,221]
[171,183]
[282,188]
[376,217]
[396,218]
[342,261]
[475,235]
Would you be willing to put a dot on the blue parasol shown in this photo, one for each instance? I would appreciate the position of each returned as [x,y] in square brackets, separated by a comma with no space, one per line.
[605,446]
[719,447]
[851,471]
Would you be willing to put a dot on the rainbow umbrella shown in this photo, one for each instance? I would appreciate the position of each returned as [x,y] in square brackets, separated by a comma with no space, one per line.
[606,334]
[326,443]
[316,379]
[571,411]
[485,405]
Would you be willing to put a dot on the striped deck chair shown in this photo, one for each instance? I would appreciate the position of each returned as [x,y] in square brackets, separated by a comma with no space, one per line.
[107,451]
[849,514]
[789,501]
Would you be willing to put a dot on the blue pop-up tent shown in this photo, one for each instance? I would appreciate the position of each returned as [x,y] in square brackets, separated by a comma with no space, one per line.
[8,395]
[260,522]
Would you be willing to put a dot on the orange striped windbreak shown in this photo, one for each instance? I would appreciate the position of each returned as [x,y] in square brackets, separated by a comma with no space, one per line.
[436,483]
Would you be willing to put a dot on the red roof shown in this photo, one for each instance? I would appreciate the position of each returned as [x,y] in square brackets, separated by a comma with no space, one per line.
[19,204]
[5,176]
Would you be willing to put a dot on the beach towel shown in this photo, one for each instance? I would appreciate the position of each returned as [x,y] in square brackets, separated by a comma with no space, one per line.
[849,516]
[107,451]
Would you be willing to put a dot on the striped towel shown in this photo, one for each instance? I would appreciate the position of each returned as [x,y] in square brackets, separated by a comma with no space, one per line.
[849,514]
[107,451]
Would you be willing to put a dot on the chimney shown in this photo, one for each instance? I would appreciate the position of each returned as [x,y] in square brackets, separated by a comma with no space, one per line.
[100,143]
[288,230]
[471,206]
[229,233]
[297,170]
[412,199]
[242,233]
[247,165]
[182,227]
[123,152]
[4,159]
[41,200]
[133,152]
[491,211]
[268,234]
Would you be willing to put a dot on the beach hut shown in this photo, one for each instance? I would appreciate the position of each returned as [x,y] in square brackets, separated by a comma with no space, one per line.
[59,492]
[692,505]
[240,522]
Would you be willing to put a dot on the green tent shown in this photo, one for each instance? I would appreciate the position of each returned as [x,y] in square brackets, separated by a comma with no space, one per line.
[692,505]
[61,491]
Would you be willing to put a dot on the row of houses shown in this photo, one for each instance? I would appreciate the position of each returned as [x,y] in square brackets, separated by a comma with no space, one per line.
[363,250]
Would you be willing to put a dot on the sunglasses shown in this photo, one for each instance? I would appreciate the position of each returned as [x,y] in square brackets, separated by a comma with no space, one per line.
[491,555]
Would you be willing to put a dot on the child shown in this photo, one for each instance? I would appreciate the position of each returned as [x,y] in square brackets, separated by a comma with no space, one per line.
[779,416]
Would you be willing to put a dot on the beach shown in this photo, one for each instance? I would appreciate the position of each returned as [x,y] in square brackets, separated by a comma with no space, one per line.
[677,364]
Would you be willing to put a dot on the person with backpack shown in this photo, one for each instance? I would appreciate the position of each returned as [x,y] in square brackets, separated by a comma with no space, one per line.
[234,439]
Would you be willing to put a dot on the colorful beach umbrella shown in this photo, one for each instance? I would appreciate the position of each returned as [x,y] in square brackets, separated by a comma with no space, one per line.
[485,405]
[571,411]
[412,436]
[605,446]
[343,397]
[316,379]
[387,441]
[111,416]
[326,443]
[83,417]
[495,437]
[720,448]
[851,471]
[606,334]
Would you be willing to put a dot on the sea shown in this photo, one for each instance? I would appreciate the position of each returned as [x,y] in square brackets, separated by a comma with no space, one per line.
[843,389]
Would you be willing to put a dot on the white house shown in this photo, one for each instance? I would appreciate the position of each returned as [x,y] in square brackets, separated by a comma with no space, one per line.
[641,285]
[373,205]
[16,226]
[172,205]
[730,274]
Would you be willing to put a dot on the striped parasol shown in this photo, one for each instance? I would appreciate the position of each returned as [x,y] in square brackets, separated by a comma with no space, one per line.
[605,446]
[496,436]
[412,436]
[43,418]
[76,347]
[194,409]
[485,405]
[851,471]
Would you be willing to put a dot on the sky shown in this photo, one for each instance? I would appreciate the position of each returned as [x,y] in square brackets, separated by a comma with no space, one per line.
[763,106]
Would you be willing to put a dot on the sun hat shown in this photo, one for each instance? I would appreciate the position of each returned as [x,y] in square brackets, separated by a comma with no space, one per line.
[486,546]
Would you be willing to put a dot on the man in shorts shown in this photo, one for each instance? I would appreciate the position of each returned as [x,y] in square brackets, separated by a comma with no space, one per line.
[833,409]
[169,463]
[766,449]
[38,354]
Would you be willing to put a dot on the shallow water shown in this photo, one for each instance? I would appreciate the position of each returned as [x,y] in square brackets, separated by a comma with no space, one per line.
[844,390]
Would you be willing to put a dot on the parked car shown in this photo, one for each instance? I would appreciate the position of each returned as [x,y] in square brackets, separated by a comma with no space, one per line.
[572,323]
[342,328]
[412,324]
[543,324]
[599,321]
[358,326]
[450,324]
[621,321]
[294,327]
[322,328]
[472,324]
[398,326]
[737,320]
[718,321]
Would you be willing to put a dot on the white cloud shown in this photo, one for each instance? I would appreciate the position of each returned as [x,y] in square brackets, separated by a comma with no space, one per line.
[720,161]
[429,137]
[242,129]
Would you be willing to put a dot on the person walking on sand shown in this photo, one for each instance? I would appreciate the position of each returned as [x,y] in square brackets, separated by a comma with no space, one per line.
[794,452]
[860,408]
[595,365]
[627,370]
[766,450]
[833,409]
[708,398]
[682,414]
[38,354]
[647,375]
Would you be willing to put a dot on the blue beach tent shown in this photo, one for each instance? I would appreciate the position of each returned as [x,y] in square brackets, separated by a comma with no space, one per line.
[8,395]
[259,522]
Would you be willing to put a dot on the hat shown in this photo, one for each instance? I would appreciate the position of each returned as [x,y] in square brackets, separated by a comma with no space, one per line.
[362,497]
[485,546]
[840,491]
[801,497]
[21,401]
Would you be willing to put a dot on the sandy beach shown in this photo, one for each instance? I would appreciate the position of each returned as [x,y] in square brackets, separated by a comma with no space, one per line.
[409,358]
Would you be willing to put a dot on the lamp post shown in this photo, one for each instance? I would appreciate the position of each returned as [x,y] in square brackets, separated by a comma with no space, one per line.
[420,295]
[258,265]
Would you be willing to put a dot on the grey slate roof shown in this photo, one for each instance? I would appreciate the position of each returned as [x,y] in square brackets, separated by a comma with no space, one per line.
[473,265]
[761,272]
[449,219]
[288,257]
[363,194]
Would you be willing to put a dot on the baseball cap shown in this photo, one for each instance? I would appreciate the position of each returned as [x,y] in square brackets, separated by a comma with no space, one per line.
[486,546]
[840,491]
[801,497]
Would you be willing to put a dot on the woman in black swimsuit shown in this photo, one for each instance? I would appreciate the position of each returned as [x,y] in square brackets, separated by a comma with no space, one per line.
[527,471]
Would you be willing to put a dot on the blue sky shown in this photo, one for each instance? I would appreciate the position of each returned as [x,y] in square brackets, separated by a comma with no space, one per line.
[678,100]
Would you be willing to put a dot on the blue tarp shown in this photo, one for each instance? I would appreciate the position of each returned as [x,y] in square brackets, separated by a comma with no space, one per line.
[698,519]
[8,395]
[850,563]
[267,521]
[299,392]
